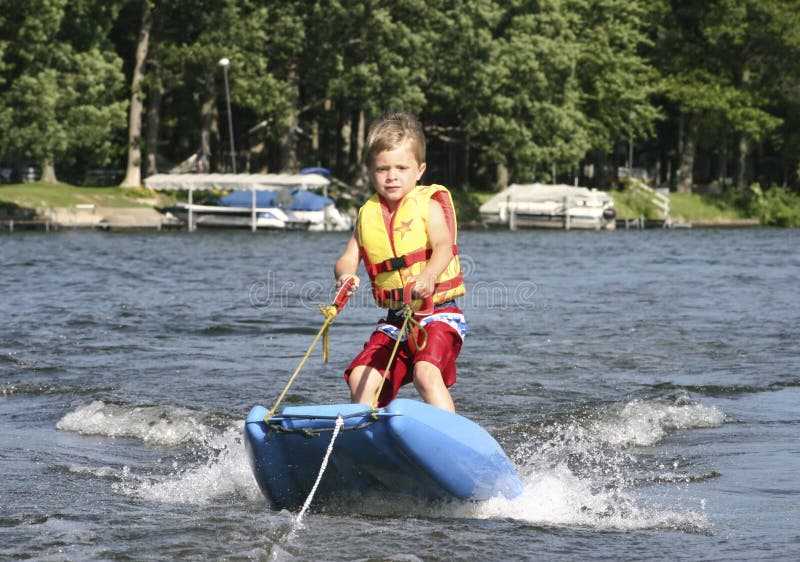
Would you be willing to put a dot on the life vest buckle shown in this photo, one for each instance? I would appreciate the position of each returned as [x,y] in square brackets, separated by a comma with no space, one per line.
[394,264]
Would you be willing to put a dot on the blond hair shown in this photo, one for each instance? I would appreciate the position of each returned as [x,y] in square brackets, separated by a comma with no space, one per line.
[392,131]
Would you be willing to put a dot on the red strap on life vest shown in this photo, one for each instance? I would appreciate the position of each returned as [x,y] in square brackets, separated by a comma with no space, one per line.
[397,295]
[399,262]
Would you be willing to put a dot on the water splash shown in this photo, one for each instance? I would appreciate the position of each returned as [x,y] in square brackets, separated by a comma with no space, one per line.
[646,422]
[160,425]
[559,497]
[584,470]
[224,472]
[580,470]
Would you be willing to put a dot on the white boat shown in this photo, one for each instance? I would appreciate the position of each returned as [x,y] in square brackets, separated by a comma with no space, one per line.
[539,205]
[220,216]
[256,201]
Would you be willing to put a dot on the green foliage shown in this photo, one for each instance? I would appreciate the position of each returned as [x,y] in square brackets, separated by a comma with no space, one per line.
[67,103]
[711,207]
[524,84]
[632,203]
[776,206]
[467,205]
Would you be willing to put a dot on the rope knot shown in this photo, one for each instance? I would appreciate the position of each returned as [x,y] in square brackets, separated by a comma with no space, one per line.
[412,329]
[329,312]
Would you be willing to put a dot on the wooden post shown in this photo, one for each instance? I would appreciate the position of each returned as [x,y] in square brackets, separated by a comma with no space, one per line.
[253,210]
[191,218]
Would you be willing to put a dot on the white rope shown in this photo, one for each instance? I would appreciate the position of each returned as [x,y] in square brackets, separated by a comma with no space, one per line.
[337,427]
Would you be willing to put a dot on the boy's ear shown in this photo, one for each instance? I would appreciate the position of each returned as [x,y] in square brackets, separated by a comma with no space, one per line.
[421,170]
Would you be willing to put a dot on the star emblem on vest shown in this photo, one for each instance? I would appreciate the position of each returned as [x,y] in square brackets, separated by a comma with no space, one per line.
[405,227]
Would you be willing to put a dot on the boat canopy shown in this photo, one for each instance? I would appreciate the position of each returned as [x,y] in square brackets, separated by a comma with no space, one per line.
[301,200]
[308,201]
[252,182]
[527,195]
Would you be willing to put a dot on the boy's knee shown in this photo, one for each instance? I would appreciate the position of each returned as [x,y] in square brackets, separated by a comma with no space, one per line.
[426,373]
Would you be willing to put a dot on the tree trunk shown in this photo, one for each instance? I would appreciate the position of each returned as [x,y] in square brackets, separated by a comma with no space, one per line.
[743,145]
[315,141]
[722,168]
[210,127]
[48,172]
[687,148]
[289,140]
[467,149]
[343,156]
[289,144]
[358,146]
[741,163]
[501,176]
[153,124]
[133,175]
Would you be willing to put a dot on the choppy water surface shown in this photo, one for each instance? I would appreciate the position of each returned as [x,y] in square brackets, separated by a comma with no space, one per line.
[645,384]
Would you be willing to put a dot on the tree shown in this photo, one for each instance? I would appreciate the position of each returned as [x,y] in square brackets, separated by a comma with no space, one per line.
[720,59]
[366,59]
[133,174]
[536,85]
[463,79]
[63,84]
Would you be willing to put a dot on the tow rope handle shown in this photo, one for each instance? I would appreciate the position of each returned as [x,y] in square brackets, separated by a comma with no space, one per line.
[342,295]
[426,309]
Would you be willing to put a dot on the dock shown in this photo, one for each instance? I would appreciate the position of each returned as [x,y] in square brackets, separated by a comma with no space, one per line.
[90,217]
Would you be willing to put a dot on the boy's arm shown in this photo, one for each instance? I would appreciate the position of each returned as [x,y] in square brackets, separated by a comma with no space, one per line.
[347,264]
[441,252]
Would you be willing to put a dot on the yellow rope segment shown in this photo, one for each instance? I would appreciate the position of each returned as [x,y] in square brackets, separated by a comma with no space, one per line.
[330,313]
[407,328]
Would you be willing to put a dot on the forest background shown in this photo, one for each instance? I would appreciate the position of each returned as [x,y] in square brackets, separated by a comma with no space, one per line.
[693,95]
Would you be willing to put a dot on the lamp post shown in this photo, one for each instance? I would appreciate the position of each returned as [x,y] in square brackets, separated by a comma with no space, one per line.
[630,147]
[224,62]
[630,155]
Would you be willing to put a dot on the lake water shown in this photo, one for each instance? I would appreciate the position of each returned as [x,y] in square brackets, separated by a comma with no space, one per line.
[646,385]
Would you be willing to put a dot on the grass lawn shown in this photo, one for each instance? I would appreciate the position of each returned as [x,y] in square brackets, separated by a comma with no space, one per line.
[692,207]
[39,195]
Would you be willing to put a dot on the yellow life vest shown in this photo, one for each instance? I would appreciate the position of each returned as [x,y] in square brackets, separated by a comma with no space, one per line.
[396,247]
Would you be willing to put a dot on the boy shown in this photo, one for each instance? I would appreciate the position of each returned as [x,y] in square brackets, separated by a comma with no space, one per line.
[406,234]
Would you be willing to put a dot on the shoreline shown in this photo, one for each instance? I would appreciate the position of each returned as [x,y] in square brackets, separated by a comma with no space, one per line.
[92,217]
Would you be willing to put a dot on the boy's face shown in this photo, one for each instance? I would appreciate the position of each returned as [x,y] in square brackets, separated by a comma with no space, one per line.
[395,172]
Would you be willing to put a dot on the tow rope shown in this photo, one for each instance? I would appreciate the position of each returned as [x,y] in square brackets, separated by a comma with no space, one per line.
[323,466]
[412,329]
[330,313]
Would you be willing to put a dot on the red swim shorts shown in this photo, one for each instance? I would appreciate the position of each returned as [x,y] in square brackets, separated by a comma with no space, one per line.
[442,349]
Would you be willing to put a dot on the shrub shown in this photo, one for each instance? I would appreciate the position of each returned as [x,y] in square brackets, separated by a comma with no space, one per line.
[776,206]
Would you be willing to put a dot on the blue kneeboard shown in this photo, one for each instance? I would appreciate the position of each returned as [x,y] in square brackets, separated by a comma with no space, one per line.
[407,448]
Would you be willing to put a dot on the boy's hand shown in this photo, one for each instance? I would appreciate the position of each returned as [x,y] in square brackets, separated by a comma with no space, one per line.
[423,286]
[353,288]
